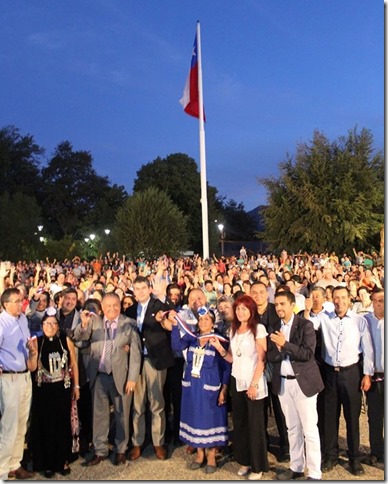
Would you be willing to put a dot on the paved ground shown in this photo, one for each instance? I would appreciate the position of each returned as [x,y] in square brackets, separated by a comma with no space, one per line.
[147,467]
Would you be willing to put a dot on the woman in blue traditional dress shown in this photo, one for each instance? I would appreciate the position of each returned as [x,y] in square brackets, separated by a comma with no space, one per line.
[204,423]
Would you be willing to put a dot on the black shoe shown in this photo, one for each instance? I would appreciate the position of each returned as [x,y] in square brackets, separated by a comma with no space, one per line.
[328,463]
[372,460]
[288,475]
[356,468]
[48,474]
[65,471]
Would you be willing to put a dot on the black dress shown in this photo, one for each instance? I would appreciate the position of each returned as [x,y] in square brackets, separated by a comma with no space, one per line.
[51,437]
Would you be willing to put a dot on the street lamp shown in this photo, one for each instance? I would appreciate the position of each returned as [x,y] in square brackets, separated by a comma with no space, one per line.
[40,228]
[86,239]
[107,231]
[222,235]
[92,236]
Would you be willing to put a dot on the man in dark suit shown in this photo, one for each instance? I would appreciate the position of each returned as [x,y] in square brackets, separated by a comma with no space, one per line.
[173,386]
[297,381]
[157,357]
[114,367]
[269,318]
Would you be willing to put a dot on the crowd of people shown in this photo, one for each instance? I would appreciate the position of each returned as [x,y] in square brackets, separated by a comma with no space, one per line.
[111,355]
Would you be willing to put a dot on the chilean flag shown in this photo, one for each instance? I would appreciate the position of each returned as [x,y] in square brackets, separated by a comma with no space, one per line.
[190,98]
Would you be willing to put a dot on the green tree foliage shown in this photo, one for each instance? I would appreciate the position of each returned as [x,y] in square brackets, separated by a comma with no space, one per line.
[150,224]
[74,196]
[19,162]
[19,219]
[239,225]
[330,197]
[178,176]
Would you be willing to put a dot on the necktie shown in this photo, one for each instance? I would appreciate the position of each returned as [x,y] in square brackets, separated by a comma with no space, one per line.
[108,348]
[139,315]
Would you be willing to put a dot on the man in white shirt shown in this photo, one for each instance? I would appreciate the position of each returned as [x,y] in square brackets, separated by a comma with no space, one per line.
[375,395]
[345,335]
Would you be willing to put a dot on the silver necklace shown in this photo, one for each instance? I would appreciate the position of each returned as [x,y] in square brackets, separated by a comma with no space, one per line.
[239,340]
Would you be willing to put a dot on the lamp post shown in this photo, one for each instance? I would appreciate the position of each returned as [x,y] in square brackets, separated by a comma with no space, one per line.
[107,231]
[222,235]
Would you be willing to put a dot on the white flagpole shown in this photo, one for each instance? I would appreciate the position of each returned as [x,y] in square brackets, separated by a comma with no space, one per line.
[202,152]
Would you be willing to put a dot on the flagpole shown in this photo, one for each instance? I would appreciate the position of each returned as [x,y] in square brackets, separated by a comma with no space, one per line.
[202,153]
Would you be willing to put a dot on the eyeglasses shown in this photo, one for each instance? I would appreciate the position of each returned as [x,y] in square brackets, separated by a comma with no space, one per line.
[50,324]
[17,301]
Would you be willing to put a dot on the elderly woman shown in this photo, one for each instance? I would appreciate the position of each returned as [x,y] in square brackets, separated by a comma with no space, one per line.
[248,386]
[55,383]
[204,387]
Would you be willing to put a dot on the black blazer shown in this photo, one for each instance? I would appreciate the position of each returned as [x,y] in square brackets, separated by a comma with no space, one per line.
[155,338]
[300,350]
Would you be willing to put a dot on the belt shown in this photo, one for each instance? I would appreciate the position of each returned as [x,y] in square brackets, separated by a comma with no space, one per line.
[378,377]
[10,372]
[342,368]
[288,377]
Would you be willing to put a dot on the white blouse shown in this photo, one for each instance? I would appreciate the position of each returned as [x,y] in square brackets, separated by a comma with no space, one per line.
[245,358]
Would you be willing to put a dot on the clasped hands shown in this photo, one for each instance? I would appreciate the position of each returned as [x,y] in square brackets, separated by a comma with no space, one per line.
[278,338]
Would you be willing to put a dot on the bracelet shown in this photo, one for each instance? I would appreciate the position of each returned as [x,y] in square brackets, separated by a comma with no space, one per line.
[224,355]
[77,386]
[255,385]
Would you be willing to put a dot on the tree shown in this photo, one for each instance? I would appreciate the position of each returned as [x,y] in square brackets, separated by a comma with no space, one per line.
[239,224]
[74,196]
[178,176]
[150,224]
[19,162]
[19,219]
[330,198]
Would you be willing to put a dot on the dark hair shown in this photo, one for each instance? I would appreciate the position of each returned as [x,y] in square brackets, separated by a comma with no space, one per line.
[212,314]
[172,285]
[250,304]
[227,284]
[141,279]
[70,290]
[339,288]
[282,288]
[6,296]
[46,295]
[376,290]
[288,294]
[92,303]
[57,296]
[238,294]
[46,316]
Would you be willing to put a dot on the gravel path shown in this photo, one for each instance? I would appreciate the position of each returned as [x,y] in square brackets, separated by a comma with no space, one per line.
[147,467]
